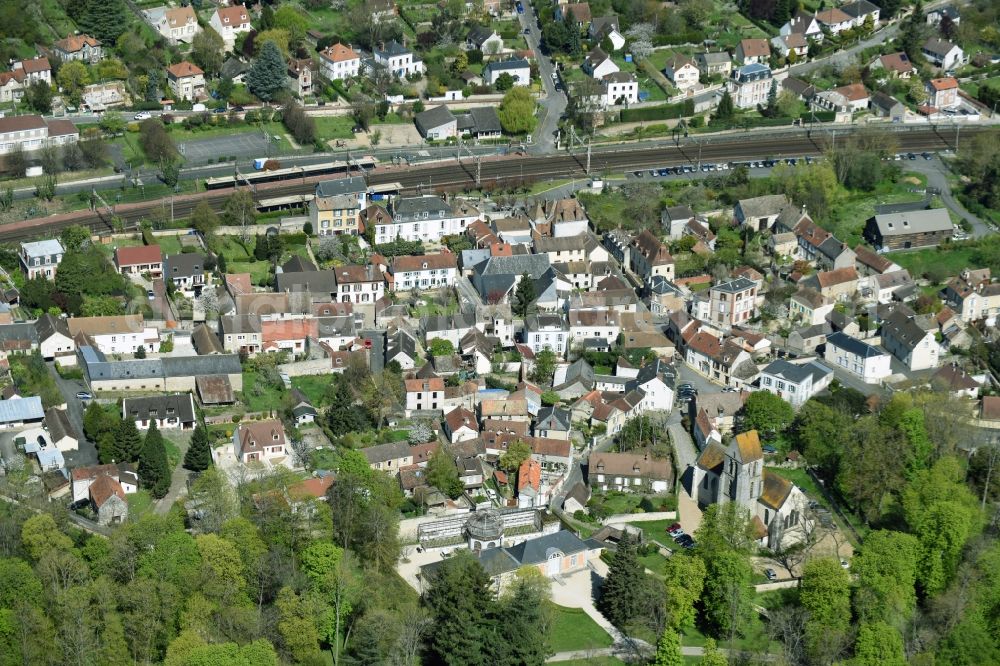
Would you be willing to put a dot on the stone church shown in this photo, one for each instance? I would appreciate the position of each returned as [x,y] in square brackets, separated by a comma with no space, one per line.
[734,472]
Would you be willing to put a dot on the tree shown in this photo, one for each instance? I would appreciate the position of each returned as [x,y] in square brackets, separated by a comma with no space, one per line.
[16,161]
[712,656]
[155,142]
[39,97]
[767,413]
[363,110]
[517,452]
[878,644]
[198,457]
[240,211]
[154,472]
[207,50]
[524,295]
[93,148]
[442,473]
[459,600]
[170,172]
[668,649]
[104,306]
[45,187]
[504,82]
[522,624]
[104,19]
[267,74]
[128,444]
[75,237]
[726,109]
[684,581]
[886,571]
[343,416]
[826,596]
[517,111]
[73,76]
[441,347]
[289,18]
[204,219]
[728,597]
[621,594]
[6,198]
[544,368]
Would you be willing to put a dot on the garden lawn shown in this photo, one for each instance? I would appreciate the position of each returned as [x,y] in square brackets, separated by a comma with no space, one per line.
[269,398]
[169,245]
[313,387]
[853,209]
[334,127]
[655,562]
[655,530]
[573,629]
[948,260]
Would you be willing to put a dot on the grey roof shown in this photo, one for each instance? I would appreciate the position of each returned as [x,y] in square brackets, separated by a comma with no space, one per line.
[386,452]
[19,332]
[903,207]
[678,213]
[480,120]
[393,48]
[947,10]
[536,322]
[858,8]
[205,340]
[734,286]
[170,366]
[832,248]
[600,23]
[298,264]
[192,366]
[248,323]
[400,342]
[453,322]
[659,284]
[913,222]
[506,65]
[42,248]
[470,258]
[158,406]
[580,370]
[433,118]
[853,345]
[657,368]
[59,425]
[234,67]
[893,279]
[883,101]
[939,47]
[410,209]
[553,418]
[792,372]
[337,186]
[905,327]
[21,409]
[336,326]
[765,206]
[324,282]
[188,264]
[534,265]
[479,34]
[47,326]
[536,551]
[714,57]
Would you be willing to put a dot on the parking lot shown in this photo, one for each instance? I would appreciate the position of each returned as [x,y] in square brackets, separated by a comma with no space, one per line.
[240,146]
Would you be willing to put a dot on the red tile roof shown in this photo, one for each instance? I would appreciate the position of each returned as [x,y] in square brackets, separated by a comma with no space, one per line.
[425,262]
[529,475]
[292,329]
[429,384]
[946,83]
[103,488]
[236,15]
[339,53]
[140,254]
[315,487]
[755,48]
[184,69]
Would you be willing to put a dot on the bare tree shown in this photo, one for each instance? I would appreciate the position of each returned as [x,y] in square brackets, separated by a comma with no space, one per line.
[787,625]
[414,626]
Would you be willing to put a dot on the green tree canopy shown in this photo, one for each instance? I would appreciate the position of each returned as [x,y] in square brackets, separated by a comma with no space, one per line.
[267,74]
[767,413]
[517,111]
[154,471]
[198,457]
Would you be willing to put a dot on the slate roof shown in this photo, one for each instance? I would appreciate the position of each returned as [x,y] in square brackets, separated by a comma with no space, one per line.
[553,418]
[59,424]
[184,265]
[338,186]
[385,452]
[177,404]
[796,372]
[764,206]
[205,340]
[317,282]
[853,345]
[433,118]
[914,222]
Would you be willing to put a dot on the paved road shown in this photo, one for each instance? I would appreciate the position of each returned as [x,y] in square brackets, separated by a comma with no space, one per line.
[935,171]
[555,101]
[87,453]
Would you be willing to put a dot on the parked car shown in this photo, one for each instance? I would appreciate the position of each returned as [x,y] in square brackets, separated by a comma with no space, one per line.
[83,395]
[769,573]
[150,294]
[142,115]
[675,530]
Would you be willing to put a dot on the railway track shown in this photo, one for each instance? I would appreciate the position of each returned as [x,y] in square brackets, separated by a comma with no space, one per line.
[498,171]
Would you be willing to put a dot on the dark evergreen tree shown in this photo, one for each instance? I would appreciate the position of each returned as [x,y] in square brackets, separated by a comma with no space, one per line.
[772,100]
[623,592]
[221,265]
[199,454]
[128,443]
[104,19]
[343,416]
[140,351]
[95,421]
[267,75]
[154,472]
[522,627]
[524,295]
[782,12]
[460,601]
[726,109]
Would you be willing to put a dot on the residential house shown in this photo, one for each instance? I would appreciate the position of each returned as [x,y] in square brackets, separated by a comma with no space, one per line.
[118,334]
[230,22]
[896,65]
[530,487]
[606,27]
[338,62]
[320,284]
[82,478]
[795,383]
[839,284]
[597,64]
[801,89]
[899,231]
[519,70]
[546,331]
[139,260]
[861,11]
[938,14]
[79,47]
[942,93]
[733,302]
[629,472]
[682,72]
[887,106]
[564,217]
[578,13]
[650,257]
[241,334]
[360,284]
[808,339]
[856,357]
[714,63]
[19,412]
[300,76]
[399,60]
[802,23]
[656,380]
[787,45]
[424,394]
[41,258]
[187,272]
[171,412]
[35,69]
[260,441]
[290,335]
[911,338]
[553,423]
[429,271]
[61,431]
[482,38]
[437,123]
[753,51]
[460,425]
[955,380]
[735,473]
[834,20]
[618,88]
[750,85]
[868,262]
[425,218]
[34,132]
[481,122]
[336,207]
[54,340]
[845,99]
[303,411]
[401,346]
[884,288]
[809,307]
[12,86]
[725,362]
[942,53]
[179,24]
[974,296]
[760,213]
[602,324]
[504,410]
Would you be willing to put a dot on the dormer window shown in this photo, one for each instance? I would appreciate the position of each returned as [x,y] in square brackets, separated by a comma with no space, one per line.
[274,436]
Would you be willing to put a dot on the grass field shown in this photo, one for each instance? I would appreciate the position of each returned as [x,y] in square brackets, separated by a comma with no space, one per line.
[655,562]
[655,530]
[854,209]
[269,398]
[949,261]
[573,629]
[334,127]
[313,387]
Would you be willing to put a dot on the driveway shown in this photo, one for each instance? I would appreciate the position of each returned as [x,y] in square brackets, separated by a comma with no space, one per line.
[935,172]
[87,453]
[554,102]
